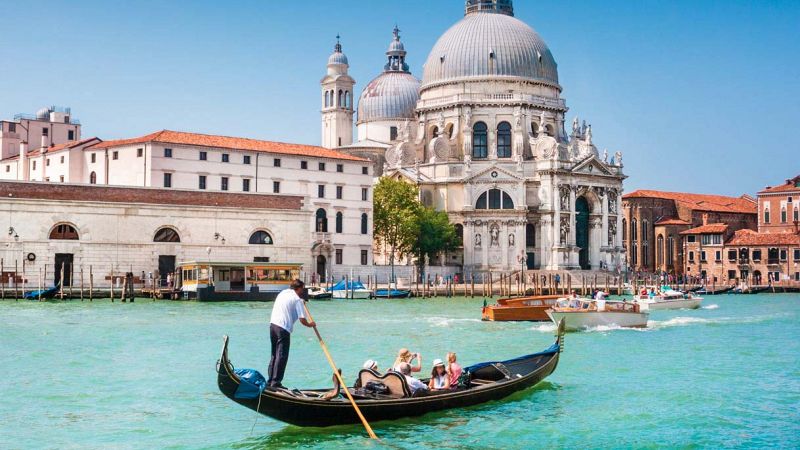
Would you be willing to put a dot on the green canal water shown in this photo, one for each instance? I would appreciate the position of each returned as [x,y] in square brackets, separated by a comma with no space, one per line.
[141,375]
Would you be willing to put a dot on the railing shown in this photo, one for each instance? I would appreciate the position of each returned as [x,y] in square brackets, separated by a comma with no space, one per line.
[319,236]
[479,98]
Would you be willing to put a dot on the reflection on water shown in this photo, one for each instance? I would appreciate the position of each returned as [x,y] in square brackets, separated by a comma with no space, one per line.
[141,375]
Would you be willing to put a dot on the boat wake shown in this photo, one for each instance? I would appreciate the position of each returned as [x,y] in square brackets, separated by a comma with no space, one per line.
[547,327]
[714,306]
[676,322]
[445,322]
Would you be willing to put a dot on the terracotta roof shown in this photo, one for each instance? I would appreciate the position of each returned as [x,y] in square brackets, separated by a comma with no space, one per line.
[119,194]
[701,202]
[672,221]
[750,237]
[66,145]
[711,228]
[233,143]
[792,185]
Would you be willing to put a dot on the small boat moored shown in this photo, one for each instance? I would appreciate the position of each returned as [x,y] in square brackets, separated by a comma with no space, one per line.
[350,289]
[319,293]
[478,384]
[392,293]
[581,314]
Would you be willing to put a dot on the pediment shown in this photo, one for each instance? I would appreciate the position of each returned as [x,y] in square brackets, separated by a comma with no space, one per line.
[494,174]
[592,165]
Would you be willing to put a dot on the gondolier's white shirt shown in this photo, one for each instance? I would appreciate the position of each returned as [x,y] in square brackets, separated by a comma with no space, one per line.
[287,309]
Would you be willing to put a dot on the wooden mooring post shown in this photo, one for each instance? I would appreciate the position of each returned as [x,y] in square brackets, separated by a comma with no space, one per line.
[91,284]
[61,283]
[16,287]
[472,285]
[112,285]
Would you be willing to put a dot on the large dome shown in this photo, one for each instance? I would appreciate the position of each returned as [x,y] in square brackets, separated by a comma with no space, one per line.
[489,44]
[392,95]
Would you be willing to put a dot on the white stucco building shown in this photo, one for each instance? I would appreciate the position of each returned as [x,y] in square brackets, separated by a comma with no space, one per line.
[486,142]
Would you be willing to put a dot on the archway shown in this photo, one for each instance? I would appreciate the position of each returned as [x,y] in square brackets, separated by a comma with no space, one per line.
[582,211]
[322,267]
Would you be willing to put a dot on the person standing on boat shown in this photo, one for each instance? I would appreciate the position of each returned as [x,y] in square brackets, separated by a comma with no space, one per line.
[287,310]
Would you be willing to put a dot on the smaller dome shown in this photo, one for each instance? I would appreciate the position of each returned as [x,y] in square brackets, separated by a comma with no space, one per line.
[338,58]
[396,46]
[392,95]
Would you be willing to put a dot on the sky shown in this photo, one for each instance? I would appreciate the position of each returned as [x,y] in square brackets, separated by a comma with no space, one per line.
[700,96]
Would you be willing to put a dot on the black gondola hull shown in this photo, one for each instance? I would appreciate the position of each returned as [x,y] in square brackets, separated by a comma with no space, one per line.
[303,411]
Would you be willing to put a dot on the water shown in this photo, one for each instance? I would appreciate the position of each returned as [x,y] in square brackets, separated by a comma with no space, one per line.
[141,375]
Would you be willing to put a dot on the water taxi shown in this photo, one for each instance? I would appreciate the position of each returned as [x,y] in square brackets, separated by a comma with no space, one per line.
[580,314]
[531,308]
[667,298]
[232,281]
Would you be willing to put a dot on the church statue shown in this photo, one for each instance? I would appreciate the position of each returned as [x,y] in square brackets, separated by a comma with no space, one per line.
[517,119]
[605,155]
[511,240]
[618,158]
[589,135]
[564,230]
[542,128]
[467,120]
[494,235]
[520,160]
[478,240]
[467,162]
[564,191]
[576,128]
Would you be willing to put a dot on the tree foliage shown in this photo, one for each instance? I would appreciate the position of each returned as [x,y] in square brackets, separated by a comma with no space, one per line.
[435,234]
[395,211]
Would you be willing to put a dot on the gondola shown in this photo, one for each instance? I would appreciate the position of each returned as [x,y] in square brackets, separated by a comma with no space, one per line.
[480,383]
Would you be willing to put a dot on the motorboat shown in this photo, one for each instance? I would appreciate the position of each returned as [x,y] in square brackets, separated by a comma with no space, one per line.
[530,308]
[392,293]
[581,314]
[350,289]
[667,298]
[319,293]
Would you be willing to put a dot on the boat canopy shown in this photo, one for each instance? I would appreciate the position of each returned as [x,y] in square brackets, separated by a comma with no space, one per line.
[344,285]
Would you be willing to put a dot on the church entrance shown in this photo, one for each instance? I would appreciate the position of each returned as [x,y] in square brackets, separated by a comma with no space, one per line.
[322,266]
[582,231]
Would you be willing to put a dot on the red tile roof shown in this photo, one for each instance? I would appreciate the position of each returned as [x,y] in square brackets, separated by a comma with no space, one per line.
[233,143]
[672,221]
[702,202]
[711,228]
[789,186]
[750,237]
[66,145]
[152,196]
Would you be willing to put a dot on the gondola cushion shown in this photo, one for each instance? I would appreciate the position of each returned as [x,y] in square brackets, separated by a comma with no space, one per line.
[251,383]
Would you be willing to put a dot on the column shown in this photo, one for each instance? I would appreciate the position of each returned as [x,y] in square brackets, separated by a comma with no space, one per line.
[505,229]
[557,215]
[572,214]
[485,242]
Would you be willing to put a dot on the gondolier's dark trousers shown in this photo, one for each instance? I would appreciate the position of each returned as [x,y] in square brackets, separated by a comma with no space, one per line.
[280,340]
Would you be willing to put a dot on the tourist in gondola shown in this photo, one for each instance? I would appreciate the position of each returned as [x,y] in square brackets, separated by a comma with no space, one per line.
[288,308]
[413,383]
[439,378]
[371,364]
[453,369]
[405,356]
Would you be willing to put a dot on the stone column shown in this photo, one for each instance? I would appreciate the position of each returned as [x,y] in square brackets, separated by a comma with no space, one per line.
[505,229]
[486,241]
[572,214]
[469,242]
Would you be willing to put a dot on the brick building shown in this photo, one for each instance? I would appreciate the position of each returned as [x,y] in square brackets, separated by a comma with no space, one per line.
[653,223]
[770,254]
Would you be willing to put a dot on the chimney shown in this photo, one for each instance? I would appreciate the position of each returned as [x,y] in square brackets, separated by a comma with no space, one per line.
[22,167]
[705,218]
[44,142]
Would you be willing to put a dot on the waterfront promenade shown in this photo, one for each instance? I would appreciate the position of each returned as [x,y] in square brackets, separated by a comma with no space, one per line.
[142,375]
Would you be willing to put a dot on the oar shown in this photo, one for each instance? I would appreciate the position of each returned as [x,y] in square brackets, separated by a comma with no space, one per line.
[339,376]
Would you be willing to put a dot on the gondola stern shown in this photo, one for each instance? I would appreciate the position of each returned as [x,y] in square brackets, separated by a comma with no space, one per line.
[560,333]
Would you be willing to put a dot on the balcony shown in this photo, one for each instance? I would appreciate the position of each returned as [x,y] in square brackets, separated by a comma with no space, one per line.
[479,98]
[321,237]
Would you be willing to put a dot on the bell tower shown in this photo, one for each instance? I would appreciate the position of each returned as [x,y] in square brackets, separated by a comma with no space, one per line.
[337,101]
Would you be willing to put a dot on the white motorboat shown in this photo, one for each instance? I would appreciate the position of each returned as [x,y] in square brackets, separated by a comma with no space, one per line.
[668,298]
[581,314]
[350,289]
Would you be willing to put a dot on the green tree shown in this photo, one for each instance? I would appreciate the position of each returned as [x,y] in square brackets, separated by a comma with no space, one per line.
[434,234]
[395,211]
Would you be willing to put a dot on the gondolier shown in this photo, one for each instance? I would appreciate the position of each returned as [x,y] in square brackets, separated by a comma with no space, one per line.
[287,310]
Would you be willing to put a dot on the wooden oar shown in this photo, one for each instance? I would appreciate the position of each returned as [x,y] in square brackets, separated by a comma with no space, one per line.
[339,376]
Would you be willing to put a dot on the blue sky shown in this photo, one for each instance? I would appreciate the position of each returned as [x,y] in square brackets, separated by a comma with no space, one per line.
[700,96]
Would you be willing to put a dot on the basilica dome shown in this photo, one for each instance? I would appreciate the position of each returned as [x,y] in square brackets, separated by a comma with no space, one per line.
[489,43]
[393,94]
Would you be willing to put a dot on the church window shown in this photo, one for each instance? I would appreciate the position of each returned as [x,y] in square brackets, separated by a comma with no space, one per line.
[93,178]
[549,130]
[434,132]
[624,232]
[341,101]
[530,235]
[634,234]
[494,199]
[504,140]
[339,222]
[480,146]
[166,234]
[393,133]
[459,234]
[644,231]
[783,215]
[260,237]
[535,129]
[347,99]
[322,221]
[364,223]
[64,231]
[327,98]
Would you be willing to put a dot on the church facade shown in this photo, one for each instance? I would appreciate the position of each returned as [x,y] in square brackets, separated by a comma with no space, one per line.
[483,136]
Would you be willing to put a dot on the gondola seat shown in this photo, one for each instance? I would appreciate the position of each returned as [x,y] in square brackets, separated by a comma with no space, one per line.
[395,382]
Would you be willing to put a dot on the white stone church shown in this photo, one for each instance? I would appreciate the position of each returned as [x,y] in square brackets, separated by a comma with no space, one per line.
[483,136]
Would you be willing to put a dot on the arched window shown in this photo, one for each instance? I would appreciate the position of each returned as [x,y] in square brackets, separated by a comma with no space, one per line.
[260,237]
[530,235]
[659,251]
[480,145]
[339,222]
[341,100]
[670,251]
[347,99]
[93,178]
[448,130]
[459,234]
[327,98]
[535,129]
[166,234]
[494,199]
[634,232]
[64,232]
[549,130]
[322,221]
[364,224]
[624,232]
[434,132]
[504,140]
[634,255]
[645,231]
